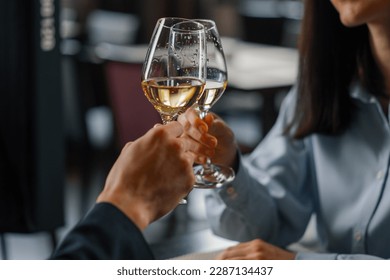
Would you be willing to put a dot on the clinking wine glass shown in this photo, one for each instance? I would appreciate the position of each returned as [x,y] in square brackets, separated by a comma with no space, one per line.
[174,71]
[210,175]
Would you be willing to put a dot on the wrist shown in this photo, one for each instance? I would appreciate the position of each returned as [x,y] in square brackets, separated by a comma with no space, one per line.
[135,210]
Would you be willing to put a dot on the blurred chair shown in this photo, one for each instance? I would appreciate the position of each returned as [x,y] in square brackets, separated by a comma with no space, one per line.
[109,33]
[133,114]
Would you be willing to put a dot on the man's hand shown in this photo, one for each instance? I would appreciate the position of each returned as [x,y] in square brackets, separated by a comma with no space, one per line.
[151,175]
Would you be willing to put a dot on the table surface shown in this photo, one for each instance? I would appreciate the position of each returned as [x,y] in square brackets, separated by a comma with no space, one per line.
[254,66]
[251,66]
[204,245]
[202,241]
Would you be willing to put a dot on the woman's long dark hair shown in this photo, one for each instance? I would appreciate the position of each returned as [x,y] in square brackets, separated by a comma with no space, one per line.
[331,57]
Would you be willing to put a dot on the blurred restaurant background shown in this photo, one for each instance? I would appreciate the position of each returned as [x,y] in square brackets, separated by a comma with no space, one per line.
[71,98]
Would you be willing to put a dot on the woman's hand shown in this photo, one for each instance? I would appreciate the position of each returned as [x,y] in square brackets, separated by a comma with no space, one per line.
[255,250]
[215,139]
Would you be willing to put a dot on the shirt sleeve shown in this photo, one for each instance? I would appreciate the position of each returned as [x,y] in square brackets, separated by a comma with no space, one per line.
[105,233]
[270,197]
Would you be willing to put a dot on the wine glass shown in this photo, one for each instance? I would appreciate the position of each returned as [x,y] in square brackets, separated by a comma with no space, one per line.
[210,175]
[174,71]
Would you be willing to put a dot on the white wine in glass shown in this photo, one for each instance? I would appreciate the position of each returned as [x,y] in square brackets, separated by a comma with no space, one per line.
[212,92]
[210,175]
[170,96]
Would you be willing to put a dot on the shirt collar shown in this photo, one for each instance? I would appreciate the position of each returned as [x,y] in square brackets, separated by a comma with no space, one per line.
[360,93]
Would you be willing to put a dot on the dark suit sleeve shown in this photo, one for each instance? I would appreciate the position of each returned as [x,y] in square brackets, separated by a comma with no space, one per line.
[105,233]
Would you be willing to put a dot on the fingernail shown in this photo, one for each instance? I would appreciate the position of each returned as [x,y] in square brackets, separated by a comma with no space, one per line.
[213,142]
[202,129]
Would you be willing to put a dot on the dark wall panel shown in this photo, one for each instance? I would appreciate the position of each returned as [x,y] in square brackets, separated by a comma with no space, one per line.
[31,126]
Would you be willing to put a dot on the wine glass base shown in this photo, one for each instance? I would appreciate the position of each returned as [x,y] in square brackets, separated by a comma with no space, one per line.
[216,178]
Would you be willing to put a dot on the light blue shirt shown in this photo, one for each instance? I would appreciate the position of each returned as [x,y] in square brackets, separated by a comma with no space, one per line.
[342,179]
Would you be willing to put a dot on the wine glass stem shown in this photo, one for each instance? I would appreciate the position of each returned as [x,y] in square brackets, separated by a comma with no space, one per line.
[208,167]
[167,118]
[203,113]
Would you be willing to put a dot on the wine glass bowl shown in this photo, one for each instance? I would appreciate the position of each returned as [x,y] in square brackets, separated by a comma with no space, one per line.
[216,77]
[174,71]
